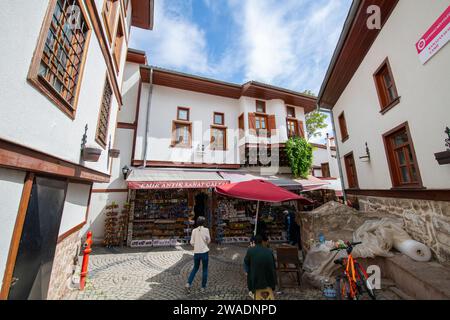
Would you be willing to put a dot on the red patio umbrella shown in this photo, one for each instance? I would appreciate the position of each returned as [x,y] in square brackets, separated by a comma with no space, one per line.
[259,190]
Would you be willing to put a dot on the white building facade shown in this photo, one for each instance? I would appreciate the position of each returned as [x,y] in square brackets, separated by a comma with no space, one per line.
[196,124]
[61,77]
[391,111]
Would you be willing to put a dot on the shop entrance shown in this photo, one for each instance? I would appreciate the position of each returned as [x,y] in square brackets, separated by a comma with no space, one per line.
[201,205]
[31,276]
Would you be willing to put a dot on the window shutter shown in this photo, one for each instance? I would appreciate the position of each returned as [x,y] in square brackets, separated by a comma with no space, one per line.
[272,124]
[252,123]
[301,129]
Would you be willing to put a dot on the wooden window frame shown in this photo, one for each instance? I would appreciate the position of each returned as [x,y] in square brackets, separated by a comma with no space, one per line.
[174,143]
[97,136]
[287,112]
[225,137]
[392,159]
[384,99]
[223,118]
[241,126]
[117,48]
[347,170]
[343,127]
[264,106]
[110,21]
[188,113]
[296,127]
[327,166]
[266,119]
[41,84]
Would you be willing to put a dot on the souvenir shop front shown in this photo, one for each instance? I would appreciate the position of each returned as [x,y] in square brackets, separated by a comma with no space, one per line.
[234,218]
[164,205]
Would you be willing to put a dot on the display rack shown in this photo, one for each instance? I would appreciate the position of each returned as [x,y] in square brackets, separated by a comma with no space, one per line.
[161,216]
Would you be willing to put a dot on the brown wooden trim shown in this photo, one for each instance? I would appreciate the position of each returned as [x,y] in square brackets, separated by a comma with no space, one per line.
[136,56]
[287,112]
[415,194]
[16,156]
[120,36]
[124,125]
[70,232]
[319,146]
[169,164]
[347,169]
[173,143]
[393,170]
[223,118]
[136,120]
[390,106]
[103,42]
[225,137]
[17,234]
[142,14]
[343,127]
[33,73]
[109,190]
[185,109]
[381,88]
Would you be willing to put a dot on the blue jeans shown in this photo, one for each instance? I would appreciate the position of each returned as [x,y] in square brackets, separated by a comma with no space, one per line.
[203,257]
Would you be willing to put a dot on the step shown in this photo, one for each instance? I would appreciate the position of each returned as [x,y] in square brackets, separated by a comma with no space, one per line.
[418,280]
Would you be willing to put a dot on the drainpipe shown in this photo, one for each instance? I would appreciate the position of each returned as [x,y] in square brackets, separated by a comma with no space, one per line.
[147,124]
[330,112]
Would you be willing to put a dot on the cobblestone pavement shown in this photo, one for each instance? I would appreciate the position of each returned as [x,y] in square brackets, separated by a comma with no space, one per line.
[160,274]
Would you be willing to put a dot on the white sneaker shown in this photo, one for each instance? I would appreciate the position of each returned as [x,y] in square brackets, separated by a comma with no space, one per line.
[202,290]
[188,288]
[251,295]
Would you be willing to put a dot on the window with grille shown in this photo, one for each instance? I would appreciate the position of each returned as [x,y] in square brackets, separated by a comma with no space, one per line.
[58,62]
[105,110]
[402,158]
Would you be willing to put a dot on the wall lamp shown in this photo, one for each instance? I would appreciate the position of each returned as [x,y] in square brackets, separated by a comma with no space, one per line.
[367,156]
[125,171]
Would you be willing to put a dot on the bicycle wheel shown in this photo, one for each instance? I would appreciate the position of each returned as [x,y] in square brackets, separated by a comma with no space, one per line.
[366,285]
[342,288]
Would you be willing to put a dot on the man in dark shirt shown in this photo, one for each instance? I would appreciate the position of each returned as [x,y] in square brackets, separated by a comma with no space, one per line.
[260,264]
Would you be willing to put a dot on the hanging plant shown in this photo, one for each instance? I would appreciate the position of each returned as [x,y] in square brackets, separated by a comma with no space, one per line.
[300,156]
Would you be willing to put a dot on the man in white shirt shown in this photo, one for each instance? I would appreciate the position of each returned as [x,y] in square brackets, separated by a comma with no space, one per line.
[200,239]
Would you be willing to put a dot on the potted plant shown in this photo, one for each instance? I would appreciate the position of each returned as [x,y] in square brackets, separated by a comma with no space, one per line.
[114,153]
[444,157]
[91,154]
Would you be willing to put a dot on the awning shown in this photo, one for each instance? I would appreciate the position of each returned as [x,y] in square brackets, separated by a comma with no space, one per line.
[313,183]
[173,179]
[259,190]
[280,181]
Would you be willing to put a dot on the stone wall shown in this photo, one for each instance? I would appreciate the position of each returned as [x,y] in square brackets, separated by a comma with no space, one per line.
[65,259]
[425,221]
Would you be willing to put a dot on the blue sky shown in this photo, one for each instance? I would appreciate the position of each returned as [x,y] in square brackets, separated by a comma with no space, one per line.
[287,43]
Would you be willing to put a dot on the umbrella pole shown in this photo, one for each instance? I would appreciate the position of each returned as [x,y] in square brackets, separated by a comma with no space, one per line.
[256,219]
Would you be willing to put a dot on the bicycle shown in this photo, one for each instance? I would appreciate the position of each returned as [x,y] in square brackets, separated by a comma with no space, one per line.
[353,283]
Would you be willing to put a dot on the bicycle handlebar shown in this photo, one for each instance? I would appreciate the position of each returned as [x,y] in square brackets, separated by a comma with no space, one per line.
[352,244]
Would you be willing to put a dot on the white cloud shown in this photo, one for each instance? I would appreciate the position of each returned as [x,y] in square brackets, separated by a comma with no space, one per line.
[288,43]
[175,41]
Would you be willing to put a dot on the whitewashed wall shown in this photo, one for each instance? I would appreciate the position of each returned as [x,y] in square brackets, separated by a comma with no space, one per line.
[11,185]
[75,206]
[424,91]
[29,118]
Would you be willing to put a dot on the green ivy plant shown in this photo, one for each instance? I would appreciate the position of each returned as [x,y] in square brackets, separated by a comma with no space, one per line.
[300,156]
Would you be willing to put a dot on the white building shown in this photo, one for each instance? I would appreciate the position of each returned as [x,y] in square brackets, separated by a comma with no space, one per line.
[61,76]
[194,126]
[391,110]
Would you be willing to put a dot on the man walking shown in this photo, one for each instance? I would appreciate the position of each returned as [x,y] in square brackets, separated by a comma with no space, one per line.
[260,264]
[200,239]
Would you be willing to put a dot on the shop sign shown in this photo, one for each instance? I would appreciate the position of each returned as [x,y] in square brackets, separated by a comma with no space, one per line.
[435,38]
[198,184]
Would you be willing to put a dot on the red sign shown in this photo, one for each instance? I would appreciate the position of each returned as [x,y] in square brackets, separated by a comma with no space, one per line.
[197,184]
[435,38]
